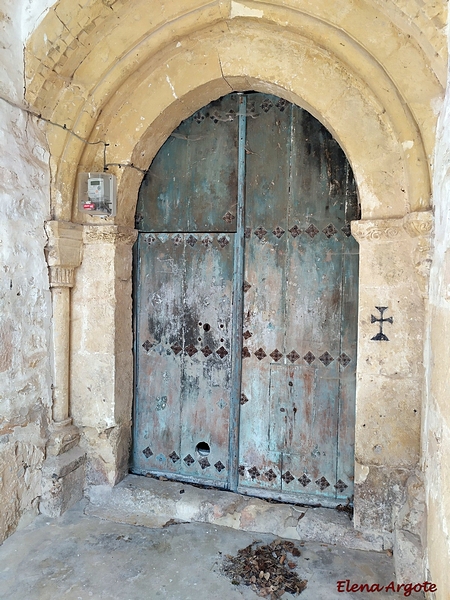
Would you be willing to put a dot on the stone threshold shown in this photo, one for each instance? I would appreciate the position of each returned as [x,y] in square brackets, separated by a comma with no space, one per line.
[149,502]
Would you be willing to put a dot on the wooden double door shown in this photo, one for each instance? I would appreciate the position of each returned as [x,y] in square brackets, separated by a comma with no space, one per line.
[246,289]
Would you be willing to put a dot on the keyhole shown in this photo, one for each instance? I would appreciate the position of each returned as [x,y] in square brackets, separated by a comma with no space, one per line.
[203,448]
[206,326]
[290,384]
[282,410]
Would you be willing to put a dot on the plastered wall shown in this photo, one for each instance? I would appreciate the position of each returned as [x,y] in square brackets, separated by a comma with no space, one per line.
[25,311]
[436,425]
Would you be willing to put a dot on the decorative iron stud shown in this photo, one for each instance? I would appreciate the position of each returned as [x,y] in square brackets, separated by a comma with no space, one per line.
[147,345]
[344,359]
[309,358]
[243,399]
[161,402]
[270,475]
[260,354]
[207,351]
[254,473]
[267,105]
[281,104]
[346,230]
[293,356]
[326,358]
[247,232]
[276,355]
[304,480]
[191,240]
[241,470]
[204,463]
[312,231]
[221,352]
[246,286]
[228,217]
[245,352]
[223,241]
[174,457]
[287,477]
[340,486]
[247,335]
[150,239]
[329,230]
[147,452]
[199,117]
[260,232]
[177,239]
[189,460]
[176,348]
[191,350]
[207,240]
[322,483]
[278,232]
[219,466]
[221,404]
[295,231]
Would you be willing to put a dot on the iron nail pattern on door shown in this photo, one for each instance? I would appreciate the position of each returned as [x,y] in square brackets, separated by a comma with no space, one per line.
[285,365]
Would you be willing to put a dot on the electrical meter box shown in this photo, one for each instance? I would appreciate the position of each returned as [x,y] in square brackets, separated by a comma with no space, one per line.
[97,194]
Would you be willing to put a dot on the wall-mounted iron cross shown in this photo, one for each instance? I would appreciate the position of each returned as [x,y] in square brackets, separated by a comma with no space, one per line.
[381,337]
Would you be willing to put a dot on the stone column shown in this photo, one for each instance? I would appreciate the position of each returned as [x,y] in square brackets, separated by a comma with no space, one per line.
[394,267]
[63,471]
[102,350]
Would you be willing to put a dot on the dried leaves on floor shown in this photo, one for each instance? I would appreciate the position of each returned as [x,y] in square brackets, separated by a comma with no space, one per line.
[268,570]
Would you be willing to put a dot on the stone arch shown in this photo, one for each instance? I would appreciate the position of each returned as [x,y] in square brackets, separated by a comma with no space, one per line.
[84,86]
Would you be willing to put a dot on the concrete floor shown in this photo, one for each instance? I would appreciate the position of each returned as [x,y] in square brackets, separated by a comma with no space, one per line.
[82,557]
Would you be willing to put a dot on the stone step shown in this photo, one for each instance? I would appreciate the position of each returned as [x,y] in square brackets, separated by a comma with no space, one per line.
[150,502]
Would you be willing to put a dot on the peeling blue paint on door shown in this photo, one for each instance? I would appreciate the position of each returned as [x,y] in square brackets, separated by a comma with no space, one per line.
[262,396]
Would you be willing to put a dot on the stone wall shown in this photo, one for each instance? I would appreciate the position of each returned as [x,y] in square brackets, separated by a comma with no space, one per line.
[25,386]
[436,424]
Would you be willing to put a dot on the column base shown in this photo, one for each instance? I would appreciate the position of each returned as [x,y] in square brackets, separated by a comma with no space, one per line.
[63,437]
[63,479]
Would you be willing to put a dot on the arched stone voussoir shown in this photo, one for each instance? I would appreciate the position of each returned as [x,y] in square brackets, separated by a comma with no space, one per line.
[154,101]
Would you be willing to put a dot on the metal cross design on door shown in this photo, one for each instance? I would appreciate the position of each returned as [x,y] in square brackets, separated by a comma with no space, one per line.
[245,301]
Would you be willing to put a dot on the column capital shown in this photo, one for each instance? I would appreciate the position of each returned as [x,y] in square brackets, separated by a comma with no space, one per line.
[63,251]
[109,234]
[416,224]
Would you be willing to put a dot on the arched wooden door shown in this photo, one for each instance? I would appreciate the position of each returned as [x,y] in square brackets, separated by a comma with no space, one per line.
[246,280]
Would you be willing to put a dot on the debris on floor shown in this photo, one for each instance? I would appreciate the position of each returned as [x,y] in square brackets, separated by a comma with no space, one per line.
[269,570]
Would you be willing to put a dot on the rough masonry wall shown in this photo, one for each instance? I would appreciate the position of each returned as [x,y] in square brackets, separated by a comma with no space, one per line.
[436,427]
[24,297]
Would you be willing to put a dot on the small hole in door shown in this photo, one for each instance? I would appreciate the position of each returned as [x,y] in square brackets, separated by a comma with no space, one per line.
[203,448]
[206,326]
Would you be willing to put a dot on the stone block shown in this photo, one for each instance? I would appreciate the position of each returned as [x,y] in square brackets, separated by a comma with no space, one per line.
[408,556]
[62,482]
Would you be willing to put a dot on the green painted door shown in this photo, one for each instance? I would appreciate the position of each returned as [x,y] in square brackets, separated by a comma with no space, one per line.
[248,206]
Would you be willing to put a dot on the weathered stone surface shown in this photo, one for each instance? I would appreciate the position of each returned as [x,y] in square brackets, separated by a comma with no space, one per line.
[408,555]
[388,486]
[63,480]
[25,309]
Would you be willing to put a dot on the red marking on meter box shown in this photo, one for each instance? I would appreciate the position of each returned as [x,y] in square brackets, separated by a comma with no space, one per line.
[407,588]
[89,206]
